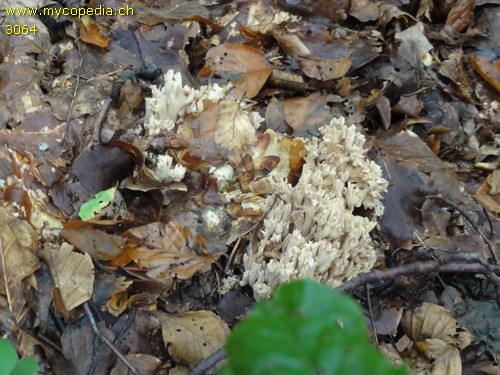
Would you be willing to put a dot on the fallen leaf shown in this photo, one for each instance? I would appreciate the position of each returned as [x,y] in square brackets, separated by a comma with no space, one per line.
[73,275]
[431,321]
[363,10]
[91,33]
[17,261]
[488,68]
[246,66]
[145,364]
[192,336]
[96,242]
[324,69]
[224,130]
[460,15]
[78,345]
[488,194]
[169,250]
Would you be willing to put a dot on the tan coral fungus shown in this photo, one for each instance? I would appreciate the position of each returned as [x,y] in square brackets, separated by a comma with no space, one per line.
[310,230]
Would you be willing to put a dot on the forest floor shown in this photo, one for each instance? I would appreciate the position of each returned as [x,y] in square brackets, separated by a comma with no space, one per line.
[130,209]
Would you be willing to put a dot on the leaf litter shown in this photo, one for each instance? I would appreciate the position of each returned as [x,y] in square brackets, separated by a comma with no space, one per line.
[420,80]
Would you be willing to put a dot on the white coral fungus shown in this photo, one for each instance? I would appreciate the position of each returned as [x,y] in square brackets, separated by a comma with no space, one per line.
[310,230]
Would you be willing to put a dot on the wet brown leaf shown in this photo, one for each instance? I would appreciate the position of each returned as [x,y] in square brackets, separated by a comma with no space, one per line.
[96,242]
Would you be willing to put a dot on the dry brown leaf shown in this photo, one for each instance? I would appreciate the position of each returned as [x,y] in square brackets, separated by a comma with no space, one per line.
[363,10]
[488,69]
[488,194]
[247,65]
[169,250]
[17,261]
[73,275]
[291,44]
[437,336]
[144,363]
[193,335]
[460,15]
[91,33]
[431,321]
[324,69]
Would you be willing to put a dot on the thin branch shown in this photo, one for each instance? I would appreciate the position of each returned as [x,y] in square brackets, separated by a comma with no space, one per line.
[416,268]
[109,344]
[75,91]
[467,217]
[209,362]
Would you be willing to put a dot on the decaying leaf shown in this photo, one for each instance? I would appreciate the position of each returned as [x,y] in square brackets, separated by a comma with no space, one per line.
[246,66]
[193,335]
[95,242]
[91,33]
[325,69]
[489,192]
[78,345]
[73,275]
[17,261]
[363,10]
[487,68]
[169,250]
[224,130]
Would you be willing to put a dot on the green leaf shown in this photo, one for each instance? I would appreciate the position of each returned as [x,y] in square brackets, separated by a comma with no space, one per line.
[306,328]
[8,357]
[93,207]
[25,366]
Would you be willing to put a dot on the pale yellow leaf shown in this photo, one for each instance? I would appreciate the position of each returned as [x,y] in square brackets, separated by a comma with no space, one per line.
[193,335]
[73,274]
[235,132]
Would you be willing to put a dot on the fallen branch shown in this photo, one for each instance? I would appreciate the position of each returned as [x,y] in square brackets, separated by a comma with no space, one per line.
[110,345]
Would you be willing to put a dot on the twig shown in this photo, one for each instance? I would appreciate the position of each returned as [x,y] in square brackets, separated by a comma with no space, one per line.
[99,121]
[209,362]
[372,320]
[467,217]
[109,344]
[418,268]
[77,85]
[466,263]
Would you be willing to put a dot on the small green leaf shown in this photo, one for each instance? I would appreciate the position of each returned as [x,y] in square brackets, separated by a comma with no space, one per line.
[25,366]
[94,207]
[306,328]
[8,357]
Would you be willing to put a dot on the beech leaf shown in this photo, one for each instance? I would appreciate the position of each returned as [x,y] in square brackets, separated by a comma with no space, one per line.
[247,65]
